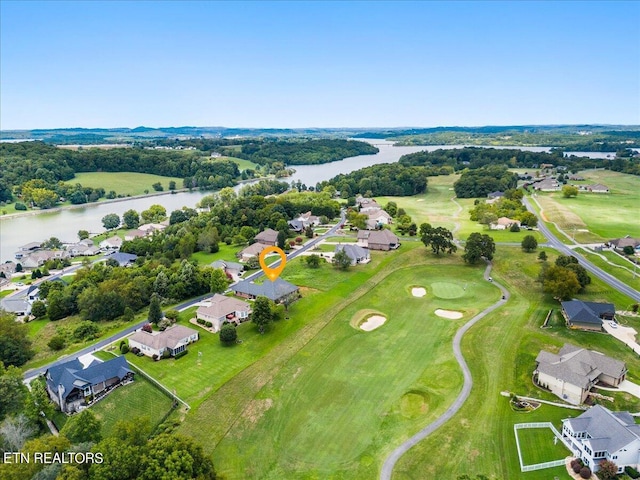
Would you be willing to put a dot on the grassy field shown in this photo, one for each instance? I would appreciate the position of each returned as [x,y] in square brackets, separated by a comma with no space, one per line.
[284,415]
[597,217]
[501,352]
[242,163]
[537,446]
[226,252]
[138,399]
[623,272]
[123,183]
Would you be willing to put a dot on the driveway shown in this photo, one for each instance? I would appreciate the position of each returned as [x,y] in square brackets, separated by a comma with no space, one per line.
[626,335]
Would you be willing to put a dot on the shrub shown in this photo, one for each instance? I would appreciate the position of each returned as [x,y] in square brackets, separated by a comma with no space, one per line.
[155,357]
[514,228]
[228,334]
[577,466]
[200,321]
[164,324]
[124,348]
[56,343]
[166,354]
[172,315]
[632,472]
[20,206]
[147,328]
[585,472]
[86,331]
[135,350]
[181,354]
[208,324]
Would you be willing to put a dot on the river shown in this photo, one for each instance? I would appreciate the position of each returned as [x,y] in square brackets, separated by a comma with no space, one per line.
[64,224]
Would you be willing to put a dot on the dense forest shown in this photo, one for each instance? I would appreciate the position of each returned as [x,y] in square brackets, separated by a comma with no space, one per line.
[384,179]
[484,180]
[308,152]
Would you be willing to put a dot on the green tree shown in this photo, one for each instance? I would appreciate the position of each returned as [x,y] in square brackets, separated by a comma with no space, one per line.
[391,208]
[341,260]
[83,427]
[608,470]
[173,456]
[154,214]
[131,219]
[219,281]
[560,282]
[83,234]
[529,243]
[15,346]
[312,261]
[56,343]
[228,334]
[13,391]
[569,191]
[529,219]
[282,238]
[111,221]
[86,331]
[262,314]
[542,256]
[38,403]
[172,185]
[477,247]
[439,239]
[308,232]
[155,311]
[38,309]
[161,284]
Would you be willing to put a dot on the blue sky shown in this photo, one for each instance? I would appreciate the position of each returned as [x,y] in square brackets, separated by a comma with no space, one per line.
[317,64]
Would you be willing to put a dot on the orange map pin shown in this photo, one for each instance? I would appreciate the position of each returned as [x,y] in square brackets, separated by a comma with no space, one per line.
[272,273]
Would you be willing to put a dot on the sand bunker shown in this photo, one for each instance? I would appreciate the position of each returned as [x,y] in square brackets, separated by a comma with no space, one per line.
[418,292]
[373,322]
[450,314]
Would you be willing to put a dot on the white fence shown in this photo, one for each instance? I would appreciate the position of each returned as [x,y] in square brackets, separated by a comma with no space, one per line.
[538,466]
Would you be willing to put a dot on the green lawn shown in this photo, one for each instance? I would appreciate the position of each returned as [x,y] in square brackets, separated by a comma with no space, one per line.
[242,163]
[123,183]
[501,352]
[283,416]
[226,252]
[342,239]
[138,399]
[537,446]
[605,216]
[624,272]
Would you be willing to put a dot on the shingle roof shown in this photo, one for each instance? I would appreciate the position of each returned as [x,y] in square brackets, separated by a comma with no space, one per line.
[225,264]
[267,236]
[382,236]
[72,374]
[170,338]
[123,258]
[253,249]
[578,366]
[222,305]
[587,312]
[272,290]
[609,431]
[354,252]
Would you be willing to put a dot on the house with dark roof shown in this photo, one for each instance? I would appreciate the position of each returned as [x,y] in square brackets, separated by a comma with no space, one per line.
[572,372]
[600,434]
[267,237]
[279,290]
[378,239]
[620,243]
[123,259]
[220,308]
[72,386]
[587,315]
[174,340]
[356,253]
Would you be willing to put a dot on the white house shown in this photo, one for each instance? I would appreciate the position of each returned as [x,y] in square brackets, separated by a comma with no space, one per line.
[111,244]
[600,434]
[221,308]
[504,223]
[574,371]
[174,339]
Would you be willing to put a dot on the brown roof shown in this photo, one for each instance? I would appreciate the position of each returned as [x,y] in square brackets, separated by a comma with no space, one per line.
[222,306]
[171,337]
[252,250]
[267,236]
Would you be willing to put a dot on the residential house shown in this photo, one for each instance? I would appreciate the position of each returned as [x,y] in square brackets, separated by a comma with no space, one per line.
[111,244]
[574,371]
[280,291]
[251,251]
[267,237]
[504,223]
[620,243]
[220,308]
[296,225]
[356,253]
[576,178]
[495,195]
[81,249]
[8,268]
[378,240]
[39,257]
[71,385]
[123,259]
[28,248]
[587,315]
[546,185]
[19,306]
[150,228]
[133,234]
[377,218]
[600,434]
[33,293]
[364,202]
[231,268]
[597,188]
[174,340]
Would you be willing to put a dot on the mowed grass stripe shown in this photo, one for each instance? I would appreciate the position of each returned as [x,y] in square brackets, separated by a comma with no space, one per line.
[123,183]
[537,446]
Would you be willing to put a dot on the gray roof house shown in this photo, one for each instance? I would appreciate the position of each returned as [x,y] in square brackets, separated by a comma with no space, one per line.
[600,434]
[378,239]
[267,237]
[174,340]
[356,253]
[17,305]
[251,251]
[72,385]
[574,371]
[279,290]
[229,267]
[587,315]
[123,259]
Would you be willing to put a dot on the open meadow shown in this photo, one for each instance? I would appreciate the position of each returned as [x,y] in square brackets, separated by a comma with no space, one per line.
[592,217]
[123,183]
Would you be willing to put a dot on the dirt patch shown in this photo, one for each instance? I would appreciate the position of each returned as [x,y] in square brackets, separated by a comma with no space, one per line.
[373,322]
[418,292]
[450,314]
[256,409]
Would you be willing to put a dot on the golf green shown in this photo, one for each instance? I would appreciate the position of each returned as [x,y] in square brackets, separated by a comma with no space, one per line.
[447,290]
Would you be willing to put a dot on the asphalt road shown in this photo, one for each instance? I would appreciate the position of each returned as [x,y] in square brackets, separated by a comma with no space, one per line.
[31,374]
[387,467]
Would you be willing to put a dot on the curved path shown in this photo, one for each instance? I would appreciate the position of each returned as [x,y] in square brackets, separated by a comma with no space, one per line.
[387,467]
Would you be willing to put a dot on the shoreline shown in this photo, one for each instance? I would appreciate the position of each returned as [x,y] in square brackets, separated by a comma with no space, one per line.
[115,200]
